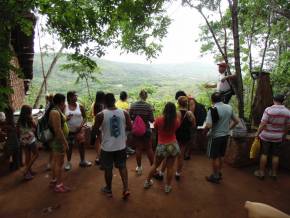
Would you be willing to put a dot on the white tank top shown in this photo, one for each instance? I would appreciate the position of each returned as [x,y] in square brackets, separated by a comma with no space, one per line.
[76,119]
[113,130]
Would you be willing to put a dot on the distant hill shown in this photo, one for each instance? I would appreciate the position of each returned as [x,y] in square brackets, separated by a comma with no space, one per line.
[118,76]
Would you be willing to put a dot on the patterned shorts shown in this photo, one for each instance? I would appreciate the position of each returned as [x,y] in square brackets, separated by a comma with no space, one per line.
[167,150]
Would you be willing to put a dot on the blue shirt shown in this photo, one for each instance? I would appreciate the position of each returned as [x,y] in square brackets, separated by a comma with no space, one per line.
[222,126]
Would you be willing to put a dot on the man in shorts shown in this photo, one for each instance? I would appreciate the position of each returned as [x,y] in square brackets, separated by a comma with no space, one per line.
[272,131]
[113,124]
[220,119]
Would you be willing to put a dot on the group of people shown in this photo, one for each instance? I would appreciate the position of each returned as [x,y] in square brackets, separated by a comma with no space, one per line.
[117,121]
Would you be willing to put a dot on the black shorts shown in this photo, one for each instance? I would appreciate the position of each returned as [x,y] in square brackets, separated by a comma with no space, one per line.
[108,158]
[217,147]
[270,148]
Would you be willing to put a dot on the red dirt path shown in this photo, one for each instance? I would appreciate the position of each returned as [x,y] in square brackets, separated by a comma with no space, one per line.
[192,196]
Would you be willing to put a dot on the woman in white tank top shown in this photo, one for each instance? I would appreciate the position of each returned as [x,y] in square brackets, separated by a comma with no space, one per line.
[76,115]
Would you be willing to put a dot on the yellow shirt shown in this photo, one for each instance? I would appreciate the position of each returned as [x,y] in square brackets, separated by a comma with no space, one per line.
[124,105]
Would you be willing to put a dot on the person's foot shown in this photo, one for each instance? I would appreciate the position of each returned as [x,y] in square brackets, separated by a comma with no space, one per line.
[259,174]
[212,179]
[139,170]
[28,176]
[67,166]
[158,176]
[148,184]
[33,173]
[85,163]
[126,194]
[177,176]
[130,151]
[97,162]
[107,191]
[186,158]
[52,183]
[167,189]
[61,188]
[48,167]
[272,175]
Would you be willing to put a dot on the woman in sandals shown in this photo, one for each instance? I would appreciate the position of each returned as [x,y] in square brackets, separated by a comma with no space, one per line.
[26,127]
[167,147]
[59,145]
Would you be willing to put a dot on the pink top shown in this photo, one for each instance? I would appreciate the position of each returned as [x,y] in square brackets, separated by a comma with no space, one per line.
[276,117]
[165,137]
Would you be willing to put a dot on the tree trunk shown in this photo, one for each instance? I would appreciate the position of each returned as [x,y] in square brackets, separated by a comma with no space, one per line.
[266,42]
[239,80]
[36,103]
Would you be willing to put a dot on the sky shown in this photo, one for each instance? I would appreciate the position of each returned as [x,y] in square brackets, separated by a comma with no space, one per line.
[179,46]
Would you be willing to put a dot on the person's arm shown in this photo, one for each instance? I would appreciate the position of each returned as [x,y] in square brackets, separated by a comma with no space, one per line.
[207,85]
[151,116]
[235,121]
[98,122]
[55,123]
[128,121]
[228,77]
[208,122]
[263,123]
[191,118]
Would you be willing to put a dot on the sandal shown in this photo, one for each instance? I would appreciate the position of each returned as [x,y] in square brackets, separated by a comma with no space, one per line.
[126,194]
[107,191]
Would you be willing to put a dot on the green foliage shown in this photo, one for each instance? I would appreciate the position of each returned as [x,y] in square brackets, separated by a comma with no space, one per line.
[88,26]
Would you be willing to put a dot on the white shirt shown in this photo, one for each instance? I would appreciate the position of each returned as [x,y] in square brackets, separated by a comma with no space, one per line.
[113,130]
[76,119]
[222,86]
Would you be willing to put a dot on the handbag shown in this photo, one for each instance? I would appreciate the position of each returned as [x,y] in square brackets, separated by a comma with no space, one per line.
[255,148]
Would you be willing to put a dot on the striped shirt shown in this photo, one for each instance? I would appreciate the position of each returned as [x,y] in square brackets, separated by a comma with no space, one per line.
[144,110]
[276,118]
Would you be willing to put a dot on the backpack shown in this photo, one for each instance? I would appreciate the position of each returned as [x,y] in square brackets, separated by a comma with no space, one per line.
[183,133]
[138,127]
[43,131]
[200,114]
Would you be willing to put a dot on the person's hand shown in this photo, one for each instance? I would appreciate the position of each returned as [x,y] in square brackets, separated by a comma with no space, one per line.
[66,146]
[223,79]
[68,117]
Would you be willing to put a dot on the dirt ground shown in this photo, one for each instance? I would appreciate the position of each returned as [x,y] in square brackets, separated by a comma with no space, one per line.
[192,196]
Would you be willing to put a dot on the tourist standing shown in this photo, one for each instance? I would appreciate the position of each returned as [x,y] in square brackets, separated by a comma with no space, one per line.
[76,116]
[224,83]
[219,121]
[26,128]
[167,148]
[143,143]
[112,123]
[97,107]
[272,131]
[184,132]
[59,145]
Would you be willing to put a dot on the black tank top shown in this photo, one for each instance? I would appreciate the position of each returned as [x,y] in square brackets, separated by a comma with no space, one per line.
[183,133]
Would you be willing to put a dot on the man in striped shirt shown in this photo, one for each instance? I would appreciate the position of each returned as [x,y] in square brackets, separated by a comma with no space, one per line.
[272,130]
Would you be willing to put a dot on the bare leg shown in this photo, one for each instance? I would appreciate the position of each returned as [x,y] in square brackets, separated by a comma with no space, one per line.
[169,163]
[156,164]
[124,175]
[108,177]
[27,160]
[263,162]
[35,155]
[180,159]
[275,164]
[150,155]
[59,160]
[138,155]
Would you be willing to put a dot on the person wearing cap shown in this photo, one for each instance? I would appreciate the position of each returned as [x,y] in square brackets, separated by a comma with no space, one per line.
[272,131]
[223,84]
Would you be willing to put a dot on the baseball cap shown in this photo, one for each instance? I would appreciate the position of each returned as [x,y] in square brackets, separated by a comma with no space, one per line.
[223,64]
[279,98]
